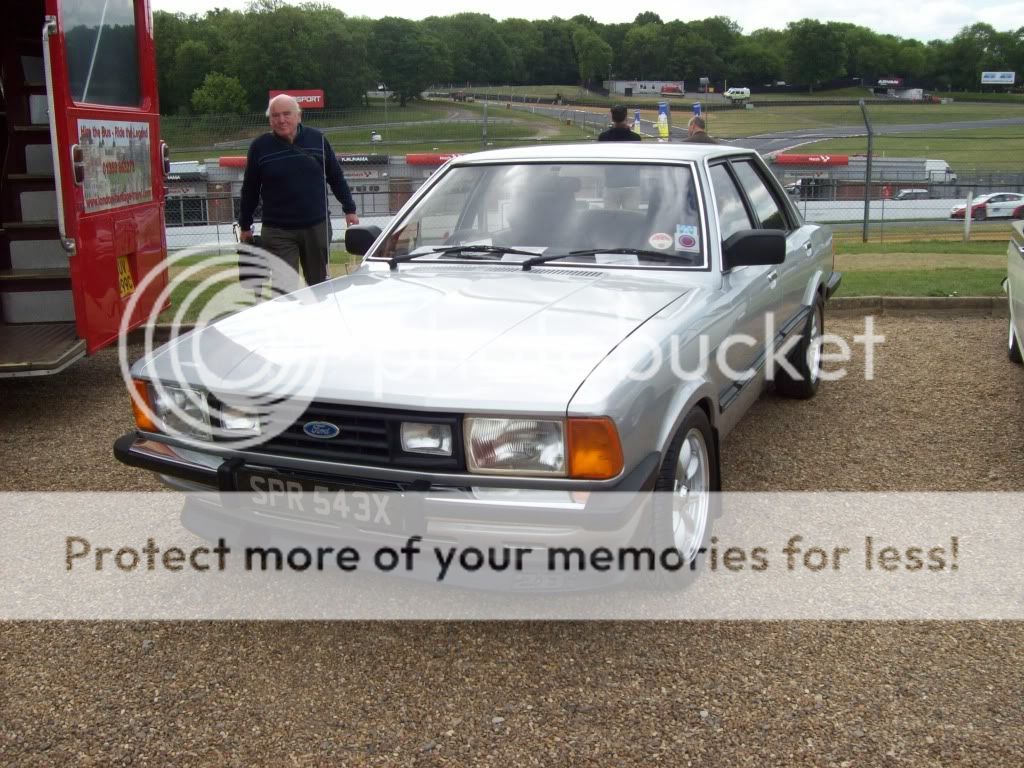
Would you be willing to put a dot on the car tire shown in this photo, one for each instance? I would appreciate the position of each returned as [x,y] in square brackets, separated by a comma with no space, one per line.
[807,366]
[1014,351]
[685,502]
[979,215]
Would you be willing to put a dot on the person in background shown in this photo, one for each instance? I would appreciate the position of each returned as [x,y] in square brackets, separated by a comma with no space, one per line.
[622,182]
[698,131]
[620,130]
[289,168]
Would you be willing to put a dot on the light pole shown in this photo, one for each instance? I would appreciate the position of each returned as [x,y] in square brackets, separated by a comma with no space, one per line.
[384,89]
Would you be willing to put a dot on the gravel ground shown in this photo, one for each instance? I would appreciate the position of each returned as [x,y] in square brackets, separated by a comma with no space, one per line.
[944,413]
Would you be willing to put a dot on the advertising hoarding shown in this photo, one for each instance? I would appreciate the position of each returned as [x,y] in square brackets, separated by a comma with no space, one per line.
[308,99]
[998,78]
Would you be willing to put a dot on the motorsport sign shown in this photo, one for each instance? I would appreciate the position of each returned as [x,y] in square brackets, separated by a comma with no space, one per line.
[307,99]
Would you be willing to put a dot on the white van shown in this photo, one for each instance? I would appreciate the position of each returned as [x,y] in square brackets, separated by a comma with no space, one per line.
[737,94]
[939,170]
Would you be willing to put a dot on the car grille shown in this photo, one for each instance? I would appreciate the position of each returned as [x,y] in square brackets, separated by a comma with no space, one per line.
[366,436]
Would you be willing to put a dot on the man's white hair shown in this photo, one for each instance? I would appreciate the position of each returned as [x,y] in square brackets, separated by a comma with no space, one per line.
[282,97]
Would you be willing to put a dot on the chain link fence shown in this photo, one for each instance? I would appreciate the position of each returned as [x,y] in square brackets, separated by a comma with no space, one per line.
[889,169]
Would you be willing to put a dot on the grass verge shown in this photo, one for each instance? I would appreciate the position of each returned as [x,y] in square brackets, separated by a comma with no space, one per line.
[924,282]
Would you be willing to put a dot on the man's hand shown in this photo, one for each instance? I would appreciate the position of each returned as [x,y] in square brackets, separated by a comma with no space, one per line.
[245,235]
[351,218]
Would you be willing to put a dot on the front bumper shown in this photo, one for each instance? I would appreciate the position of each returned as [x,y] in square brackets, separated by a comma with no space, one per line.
[443,512]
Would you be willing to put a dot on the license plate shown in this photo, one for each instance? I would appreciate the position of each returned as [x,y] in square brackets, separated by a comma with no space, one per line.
[312,500]
[124,277]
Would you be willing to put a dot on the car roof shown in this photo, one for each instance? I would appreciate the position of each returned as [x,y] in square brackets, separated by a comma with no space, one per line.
[644,152]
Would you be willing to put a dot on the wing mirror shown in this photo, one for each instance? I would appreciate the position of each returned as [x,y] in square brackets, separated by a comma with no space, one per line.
[754,247]
[358,239]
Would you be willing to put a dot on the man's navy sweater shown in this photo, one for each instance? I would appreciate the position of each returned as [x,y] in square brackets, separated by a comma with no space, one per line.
[290,180]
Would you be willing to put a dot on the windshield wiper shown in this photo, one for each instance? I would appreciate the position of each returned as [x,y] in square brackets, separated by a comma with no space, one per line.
[661,256]
[490,250]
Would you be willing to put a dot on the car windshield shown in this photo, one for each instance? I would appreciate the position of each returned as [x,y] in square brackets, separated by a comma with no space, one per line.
[607,213]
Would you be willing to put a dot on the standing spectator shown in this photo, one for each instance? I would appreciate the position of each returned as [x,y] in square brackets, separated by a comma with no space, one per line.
[622,183]
[698,131]
[289,168]
[620,130]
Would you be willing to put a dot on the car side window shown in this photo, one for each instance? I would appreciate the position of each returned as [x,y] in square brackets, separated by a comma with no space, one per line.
[732,213]
[766,208]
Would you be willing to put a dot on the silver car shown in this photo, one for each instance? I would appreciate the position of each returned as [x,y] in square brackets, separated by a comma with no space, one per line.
[536,326]
[1014,287]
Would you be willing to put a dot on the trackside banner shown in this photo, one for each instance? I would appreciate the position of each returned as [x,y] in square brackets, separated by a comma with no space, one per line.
[286,553]
[307,99]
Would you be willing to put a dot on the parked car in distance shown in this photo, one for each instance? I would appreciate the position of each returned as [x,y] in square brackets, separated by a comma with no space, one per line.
[911,194]
[1014,287]
[497,348]
[737,94]
[994,205]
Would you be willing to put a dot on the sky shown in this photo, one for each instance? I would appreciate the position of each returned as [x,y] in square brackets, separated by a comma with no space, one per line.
[927,20]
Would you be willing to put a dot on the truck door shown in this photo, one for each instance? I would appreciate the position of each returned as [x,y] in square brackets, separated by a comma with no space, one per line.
[82,178]
[114,190]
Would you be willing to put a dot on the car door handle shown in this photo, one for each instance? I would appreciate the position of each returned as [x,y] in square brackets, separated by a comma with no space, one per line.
[809,248]
[772,277]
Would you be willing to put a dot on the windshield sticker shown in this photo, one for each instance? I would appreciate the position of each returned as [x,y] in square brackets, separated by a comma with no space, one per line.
[622,259]
[686,238]
[660,240]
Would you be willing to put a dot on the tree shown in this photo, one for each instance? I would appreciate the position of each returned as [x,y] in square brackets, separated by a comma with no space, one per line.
[593,54]
[170,30]
[220,95]
[645,56]
[192,63]
[816,52]
[975,49]
[557,63]
[525,45]
[754,62]
[647,17]
[476,50]
[407,58]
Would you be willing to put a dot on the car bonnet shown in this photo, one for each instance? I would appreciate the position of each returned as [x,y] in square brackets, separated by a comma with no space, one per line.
[453,337]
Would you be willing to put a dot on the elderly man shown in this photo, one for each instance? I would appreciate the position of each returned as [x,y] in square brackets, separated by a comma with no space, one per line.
[290,168]
[697,131]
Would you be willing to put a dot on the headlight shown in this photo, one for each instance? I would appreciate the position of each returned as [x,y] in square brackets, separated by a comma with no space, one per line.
[580,448]
[515,446]
[431,439]
[181,411]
